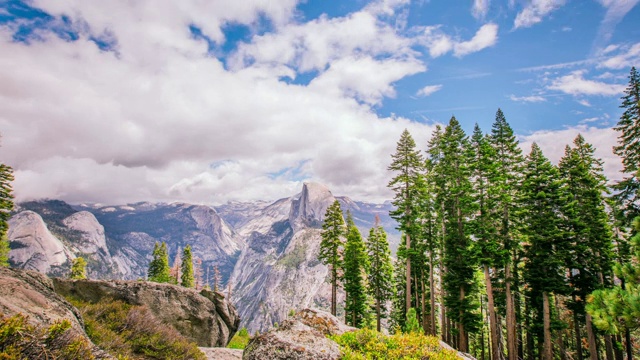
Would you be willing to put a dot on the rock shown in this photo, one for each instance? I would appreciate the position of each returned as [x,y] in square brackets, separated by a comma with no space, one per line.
[33,247]
[92,232]
[291,340]
[32,294]
[217,353]
[323,322]
[309,208]
[205,317]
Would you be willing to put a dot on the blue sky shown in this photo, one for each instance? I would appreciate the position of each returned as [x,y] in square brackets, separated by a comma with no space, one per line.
[209,102]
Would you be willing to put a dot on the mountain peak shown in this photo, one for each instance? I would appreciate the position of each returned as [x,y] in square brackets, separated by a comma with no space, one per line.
[309,208]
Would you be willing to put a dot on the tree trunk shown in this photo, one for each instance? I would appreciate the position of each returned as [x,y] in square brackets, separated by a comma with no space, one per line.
[591,337]
[462,333]
[432,295]
[378,309]
[608,346]
[576,326]
[512,349]
[617,350]
[627,337]
[334,286]
[527,324]
[425,318]
[547,349]
[408,276]
[493,326]
[560,337]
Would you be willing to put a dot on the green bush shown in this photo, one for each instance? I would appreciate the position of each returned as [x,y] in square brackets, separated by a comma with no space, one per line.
[239,340]
[367,344]
[133,332]
[21,340]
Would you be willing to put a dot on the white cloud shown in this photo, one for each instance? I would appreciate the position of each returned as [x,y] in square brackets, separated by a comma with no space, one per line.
[163,120]
[576,84]
[553,142]
[480,8]
[428,90]
[531,99]
[535,11]
[584,102]
[438,43]
[626,57]
[616,11]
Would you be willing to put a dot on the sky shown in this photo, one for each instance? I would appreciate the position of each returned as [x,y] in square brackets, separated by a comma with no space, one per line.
[214,101]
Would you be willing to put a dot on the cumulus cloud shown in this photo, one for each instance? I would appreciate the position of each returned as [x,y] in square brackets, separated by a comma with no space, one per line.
[439,43]
[428,90]
[535,11]
[161,119]
[530,99]
[576,84]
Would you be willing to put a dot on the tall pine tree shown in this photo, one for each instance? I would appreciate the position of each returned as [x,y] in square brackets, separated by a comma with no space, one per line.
[332,247]
[354,278]
[159,265]
[407,163]
[380,272]
[6,205]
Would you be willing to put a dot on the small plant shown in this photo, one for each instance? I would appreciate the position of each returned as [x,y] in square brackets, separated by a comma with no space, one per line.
[79,268]
[369,344]
[240,339]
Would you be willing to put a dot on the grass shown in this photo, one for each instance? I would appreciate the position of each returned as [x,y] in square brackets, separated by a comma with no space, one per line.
[239,340]
[369,344]
[133,332]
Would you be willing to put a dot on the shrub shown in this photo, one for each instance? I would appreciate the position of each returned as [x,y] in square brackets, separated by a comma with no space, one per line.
[239,340]
[127,331]
[368,344]
[21,340]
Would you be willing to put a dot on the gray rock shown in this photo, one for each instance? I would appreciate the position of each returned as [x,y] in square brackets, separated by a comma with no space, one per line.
[323,322]
[217,353]
[291,340]
[205,317]
[32,294]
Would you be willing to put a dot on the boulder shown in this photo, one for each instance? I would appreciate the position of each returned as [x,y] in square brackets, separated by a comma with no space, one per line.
[32,294]
[302,337]
[204,317]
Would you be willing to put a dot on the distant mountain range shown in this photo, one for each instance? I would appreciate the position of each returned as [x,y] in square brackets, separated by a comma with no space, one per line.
[267,252]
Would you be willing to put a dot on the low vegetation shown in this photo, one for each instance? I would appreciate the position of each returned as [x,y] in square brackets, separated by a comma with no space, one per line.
[21,340]
[369,344]
[239,340]
[132,332]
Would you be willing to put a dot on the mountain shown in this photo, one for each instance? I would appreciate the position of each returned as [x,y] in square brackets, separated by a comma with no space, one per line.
[267,252]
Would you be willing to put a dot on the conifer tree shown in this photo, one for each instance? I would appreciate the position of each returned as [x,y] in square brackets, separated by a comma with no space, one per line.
[544,268]
[331,247]
[78,268]
[505,183]
[628,147]
[355,265]
[176,270]
[159,266]
[587,228]
[6,205]
[458,255]
[380,272]
[407,163]
[187,279]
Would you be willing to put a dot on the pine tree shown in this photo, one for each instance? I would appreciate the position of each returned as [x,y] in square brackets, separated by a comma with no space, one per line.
[217,280]
[587,229]
[331,247]
[175,271]
[380,272]
[187,279]
[355,265]
[78,268]
[629,147]
[159,265]
[6,205]
[485,224]
[505,183]
[458,255]
[408,163]
[198,274]
[544,268]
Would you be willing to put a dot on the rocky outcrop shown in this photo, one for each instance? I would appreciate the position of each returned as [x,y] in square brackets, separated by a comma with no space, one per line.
[32,294]
[33,247]
[307,210]
[205,317]
[302,337]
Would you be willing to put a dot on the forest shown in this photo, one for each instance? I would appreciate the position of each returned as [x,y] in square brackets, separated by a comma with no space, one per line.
[504,255]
